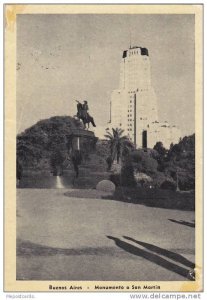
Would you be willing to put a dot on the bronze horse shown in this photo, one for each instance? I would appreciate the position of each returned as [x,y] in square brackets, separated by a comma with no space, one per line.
[84,116]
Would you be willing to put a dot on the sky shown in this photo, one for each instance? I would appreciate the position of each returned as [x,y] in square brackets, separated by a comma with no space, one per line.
[61,58]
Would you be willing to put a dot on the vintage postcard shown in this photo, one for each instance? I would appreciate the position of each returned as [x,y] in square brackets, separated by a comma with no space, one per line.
[103,148]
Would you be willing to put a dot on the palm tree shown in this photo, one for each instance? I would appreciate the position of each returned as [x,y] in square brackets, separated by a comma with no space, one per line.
[118,144]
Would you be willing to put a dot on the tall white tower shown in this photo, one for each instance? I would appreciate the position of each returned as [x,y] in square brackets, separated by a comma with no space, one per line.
[134,104]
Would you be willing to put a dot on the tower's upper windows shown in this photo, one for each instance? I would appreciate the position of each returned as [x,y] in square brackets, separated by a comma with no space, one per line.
[139,51]
[144,51]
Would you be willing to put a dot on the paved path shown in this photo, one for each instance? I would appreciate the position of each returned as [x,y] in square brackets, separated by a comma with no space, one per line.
[62,238]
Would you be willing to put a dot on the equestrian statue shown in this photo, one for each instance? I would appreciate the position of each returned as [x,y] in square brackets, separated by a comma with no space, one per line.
[82,114]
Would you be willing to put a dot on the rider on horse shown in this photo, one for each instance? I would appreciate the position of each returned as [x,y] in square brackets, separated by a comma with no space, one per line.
[85,109]
[82,113]
[79,109]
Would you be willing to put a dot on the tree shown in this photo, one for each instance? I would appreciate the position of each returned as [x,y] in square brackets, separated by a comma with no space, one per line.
[143,162]
[181,162]
[19,170]
[119,144]
[38,143]
[160,149]
[56,162]
[161,155]
[76,159]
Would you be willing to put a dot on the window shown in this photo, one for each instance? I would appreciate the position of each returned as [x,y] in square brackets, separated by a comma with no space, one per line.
[144,139]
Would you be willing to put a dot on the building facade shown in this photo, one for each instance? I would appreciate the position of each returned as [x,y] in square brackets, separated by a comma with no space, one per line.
[134,105]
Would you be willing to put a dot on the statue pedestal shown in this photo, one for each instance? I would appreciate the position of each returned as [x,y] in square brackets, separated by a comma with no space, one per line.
[83,140]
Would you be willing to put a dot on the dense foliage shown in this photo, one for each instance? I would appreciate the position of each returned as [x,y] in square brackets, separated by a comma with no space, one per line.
[46,145]
[179,162]
[159,167]
[46,142]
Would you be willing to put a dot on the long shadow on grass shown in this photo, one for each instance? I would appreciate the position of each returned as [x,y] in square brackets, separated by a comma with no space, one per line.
[189,224]
[172,255]
[156,259]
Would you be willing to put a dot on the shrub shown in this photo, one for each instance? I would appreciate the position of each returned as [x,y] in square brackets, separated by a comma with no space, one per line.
[115,178]
[168,185]
[127,175]
[142,179]
[143,162]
